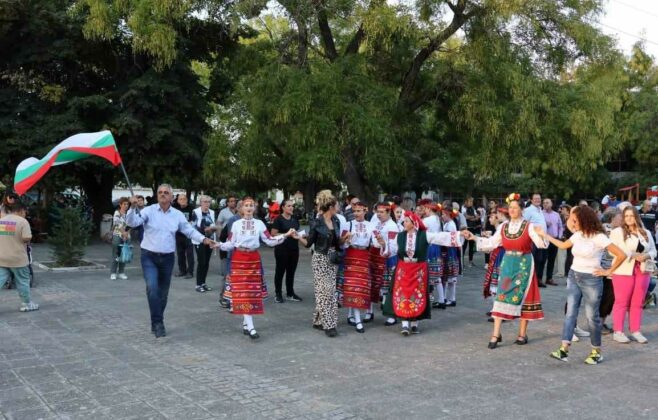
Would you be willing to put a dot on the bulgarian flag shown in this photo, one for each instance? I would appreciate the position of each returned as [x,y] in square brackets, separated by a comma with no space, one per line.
[77,147]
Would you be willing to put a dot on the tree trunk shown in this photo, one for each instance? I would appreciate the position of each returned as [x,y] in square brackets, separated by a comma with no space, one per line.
[98,186]
[356,182]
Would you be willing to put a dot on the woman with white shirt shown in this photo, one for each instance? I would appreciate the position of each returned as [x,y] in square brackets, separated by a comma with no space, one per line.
[584,281]
[450,267]
[630,280]
[357,279]
[246,272]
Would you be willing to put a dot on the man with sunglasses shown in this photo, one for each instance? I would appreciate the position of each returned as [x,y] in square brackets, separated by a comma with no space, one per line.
[161,222]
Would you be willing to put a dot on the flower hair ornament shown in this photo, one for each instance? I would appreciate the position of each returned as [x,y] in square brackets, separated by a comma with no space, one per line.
[513,197]
[450,212]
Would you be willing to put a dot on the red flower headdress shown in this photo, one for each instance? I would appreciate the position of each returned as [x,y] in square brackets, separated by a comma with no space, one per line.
[417,221]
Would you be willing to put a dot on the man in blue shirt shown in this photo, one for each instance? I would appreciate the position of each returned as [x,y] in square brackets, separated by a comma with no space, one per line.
[161,222]
[533,214]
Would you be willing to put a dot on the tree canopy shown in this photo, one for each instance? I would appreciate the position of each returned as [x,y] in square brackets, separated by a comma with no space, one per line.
[460,95]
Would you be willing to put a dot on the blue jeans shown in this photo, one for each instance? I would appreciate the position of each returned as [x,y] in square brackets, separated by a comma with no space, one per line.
[585,288]
[22,276]
[157,270]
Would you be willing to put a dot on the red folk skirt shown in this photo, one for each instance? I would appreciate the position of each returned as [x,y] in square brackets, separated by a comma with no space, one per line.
[246,283]
[377,269]
[356,283]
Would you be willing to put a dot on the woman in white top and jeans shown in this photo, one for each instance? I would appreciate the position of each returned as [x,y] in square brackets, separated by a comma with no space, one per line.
[630,280]
[584,282]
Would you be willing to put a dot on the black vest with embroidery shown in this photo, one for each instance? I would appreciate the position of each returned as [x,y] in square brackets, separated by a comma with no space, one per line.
[420,254]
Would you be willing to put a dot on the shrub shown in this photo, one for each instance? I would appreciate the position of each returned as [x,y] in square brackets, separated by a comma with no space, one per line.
[70,237]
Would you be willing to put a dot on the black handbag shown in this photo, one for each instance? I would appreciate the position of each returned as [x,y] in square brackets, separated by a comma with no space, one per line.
[336,257]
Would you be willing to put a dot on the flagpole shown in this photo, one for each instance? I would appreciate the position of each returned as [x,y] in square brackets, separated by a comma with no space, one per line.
[130,187]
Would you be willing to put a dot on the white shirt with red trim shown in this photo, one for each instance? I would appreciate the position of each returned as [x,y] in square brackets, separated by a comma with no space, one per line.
[247,234]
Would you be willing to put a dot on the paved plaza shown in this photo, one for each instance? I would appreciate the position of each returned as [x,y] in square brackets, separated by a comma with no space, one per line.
[89,354]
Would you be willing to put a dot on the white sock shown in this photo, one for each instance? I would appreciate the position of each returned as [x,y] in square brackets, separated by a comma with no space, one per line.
[357,315]
[439,291]
[414,323]
[350,312]
[451,289]
[371,310]
[248,322]
[405,324]
[448,291]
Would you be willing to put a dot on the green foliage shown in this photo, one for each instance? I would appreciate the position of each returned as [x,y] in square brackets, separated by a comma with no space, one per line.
[70,237]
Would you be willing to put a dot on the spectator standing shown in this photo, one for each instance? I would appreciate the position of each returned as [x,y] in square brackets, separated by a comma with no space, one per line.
[474,224]
[565,212]
[184,247]
[648,216]
[225,215]
[15,233]
[631,279]
[161,223]
[203,219]
[138,233]
[555,229]
[349,202]
[120,236]
[286,254]
[533,213]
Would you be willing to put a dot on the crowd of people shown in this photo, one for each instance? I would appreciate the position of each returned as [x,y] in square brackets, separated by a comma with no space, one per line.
[394,258]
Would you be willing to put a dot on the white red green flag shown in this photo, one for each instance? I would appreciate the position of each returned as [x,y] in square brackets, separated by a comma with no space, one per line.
[76,147]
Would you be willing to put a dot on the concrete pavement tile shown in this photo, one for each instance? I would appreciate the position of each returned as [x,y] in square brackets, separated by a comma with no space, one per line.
[188,412]
[42,413]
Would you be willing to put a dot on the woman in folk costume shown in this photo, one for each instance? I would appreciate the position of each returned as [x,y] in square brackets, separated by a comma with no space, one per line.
[356,279]
[340,268]
[382,264]
[495,258]
[450,267]
[408,297]
[433,224]
[517,295]
[398,212]
[246,271]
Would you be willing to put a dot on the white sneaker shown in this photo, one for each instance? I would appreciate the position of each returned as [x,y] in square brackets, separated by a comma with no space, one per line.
[29,307]
[123,277]
[575,339]
[580,333]
[637,336]
[113,276]
[620,337]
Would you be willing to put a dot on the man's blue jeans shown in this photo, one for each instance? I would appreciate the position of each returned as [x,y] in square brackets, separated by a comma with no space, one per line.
[157,270]
[585,288]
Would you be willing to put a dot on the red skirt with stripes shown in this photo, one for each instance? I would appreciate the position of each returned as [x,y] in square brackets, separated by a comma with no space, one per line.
[356,283]
[246,283]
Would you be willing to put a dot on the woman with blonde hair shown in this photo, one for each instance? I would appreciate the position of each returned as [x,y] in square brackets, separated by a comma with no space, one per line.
[324,234]
[631,279]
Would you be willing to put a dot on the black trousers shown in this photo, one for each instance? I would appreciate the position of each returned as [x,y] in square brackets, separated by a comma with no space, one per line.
[203,254]
[470,245]
[567,262]
[551,255]
[539,255]
[185,255]
[286,262]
